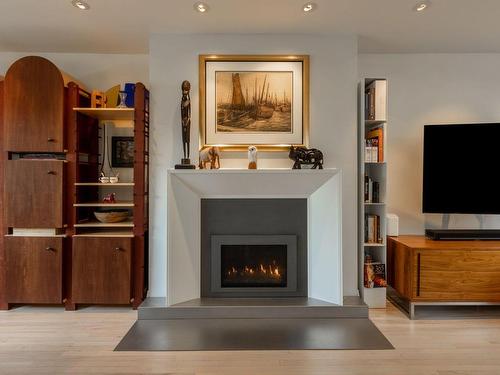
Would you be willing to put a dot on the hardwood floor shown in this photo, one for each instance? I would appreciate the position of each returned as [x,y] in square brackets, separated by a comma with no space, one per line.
[51,341]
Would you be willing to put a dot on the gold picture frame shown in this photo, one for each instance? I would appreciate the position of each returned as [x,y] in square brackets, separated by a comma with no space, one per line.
[301,62]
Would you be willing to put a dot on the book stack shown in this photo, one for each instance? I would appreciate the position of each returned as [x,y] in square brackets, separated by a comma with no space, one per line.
[371,150]
[372,190]
[374,146]
[372,229]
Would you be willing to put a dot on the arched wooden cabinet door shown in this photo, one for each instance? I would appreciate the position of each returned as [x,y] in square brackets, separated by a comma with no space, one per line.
[34,106]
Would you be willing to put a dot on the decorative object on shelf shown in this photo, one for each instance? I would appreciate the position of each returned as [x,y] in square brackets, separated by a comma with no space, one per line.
[122,152]
[112,96]
[98,99]
[109,198]
[114,179]
[130,91]
[114,216]
[122,99]
[374,273]
[210,155]
[103,179]
[254,100]
[186,126]
[306,156]
[252,157]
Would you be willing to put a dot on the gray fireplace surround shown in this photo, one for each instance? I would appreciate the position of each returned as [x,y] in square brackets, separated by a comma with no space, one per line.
[254,222]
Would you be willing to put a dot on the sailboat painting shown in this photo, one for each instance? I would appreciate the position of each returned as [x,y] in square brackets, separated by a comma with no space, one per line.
[258,100]
[254,101]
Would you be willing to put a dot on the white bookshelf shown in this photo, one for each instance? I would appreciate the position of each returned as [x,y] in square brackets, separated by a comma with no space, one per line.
[377,170]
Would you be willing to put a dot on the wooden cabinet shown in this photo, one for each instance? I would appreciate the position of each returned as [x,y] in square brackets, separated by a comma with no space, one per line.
[34,106]
[101,270]
[33,193]
[34,269]
[444,271]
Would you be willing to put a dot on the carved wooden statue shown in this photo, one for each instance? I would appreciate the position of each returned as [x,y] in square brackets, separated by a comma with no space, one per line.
[186,117]
[210,155]
[306,156]
[186,126]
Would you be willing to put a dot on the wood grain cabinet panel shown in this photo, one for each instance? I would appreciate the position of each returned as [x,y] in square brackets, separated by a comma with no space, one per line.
[34,106]
[459,275]
[101,270]
[34,269]
[34,193]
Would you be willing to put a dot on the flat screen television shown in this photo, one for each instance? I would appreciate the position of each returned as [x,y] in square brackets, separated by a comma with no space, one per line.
[461,169]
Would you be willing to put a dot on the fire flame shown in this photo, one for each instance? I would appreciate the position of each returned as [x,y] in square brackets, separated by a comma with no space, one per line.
[270,270]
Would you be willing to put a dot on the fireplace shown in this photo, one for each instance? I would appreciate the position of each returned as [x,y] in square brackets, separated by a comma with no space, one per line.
[254,248]
[265,265]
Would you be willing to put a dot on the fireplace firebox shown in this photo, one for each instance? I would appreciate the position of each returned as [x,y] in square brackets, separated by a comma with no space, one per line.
[263,264]
[253,266]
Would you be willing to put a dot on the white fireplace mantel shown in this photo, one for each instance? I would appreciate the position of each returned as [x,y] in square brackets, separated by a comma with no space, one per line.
[322,189]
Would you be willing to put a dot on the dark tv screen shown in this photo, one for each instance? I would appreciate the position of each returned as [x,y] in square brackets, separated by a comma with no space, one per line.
[461,169]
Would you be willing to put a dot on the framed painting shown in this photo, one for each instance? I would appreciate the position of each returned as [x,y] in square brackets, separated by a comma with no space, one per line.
[260,100]
[122,152]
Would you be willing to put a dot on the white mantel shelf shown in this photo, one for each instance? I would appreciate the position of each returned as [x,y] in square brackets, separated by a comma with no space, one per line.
[254,183]
[321,187]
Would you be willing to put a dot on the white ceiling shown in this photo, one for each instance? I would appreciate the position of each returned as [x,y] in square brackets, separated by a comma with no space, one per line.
[123,26]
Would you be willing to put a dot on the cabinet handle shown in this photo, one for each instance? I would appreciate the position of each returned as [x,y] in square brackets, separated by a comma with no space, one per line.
[49,248]
[52,172]
[50,139]
[118,249]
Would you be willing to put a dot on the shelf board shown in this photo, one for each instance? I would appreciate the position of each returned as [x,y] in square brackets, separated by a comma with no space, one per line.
[108,114]
[375,122]
[104,185]
[97,224]
[374,204]
[101,204]
[374,244]
[106,234]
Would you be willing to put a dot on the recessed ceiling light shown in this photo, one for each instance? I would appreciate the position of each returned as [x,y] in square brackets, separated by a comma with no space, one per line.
[82,5]
[420,7]
[309,7]
[201,7]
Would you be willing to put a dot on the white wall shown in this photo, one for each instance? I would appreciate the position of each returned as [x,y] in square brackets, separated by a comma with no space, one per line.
[430,89]
[96,71]
[174,58]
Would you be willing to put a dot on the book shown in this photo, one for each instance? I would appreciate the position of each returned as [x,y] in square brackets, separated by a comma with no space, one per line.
[373,229]
[371,150]
[375,198]
[37,232]
[378,134]
[376,93]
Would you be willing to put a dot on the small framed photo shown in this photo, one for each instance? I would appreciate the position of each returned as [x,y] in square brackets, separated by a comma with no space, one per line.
[122,149]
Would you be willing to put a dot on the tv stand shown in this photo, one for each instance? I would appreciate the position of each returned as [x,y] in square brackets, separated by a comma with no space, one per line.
[463,234]
[426,272]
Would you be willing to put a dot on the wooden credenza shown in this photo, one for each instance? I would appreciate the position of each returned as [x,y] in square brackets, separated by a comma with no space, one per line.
[424,271]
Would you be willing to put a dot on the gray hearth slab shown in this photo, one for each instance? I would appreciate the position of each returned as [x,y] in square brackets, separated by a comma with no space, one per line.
[252,308]
[253,334]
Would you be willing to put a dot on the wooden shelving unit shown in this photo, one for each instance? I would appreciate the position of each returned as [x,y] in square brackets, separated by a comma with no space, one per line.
[86,197]
[377,171]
